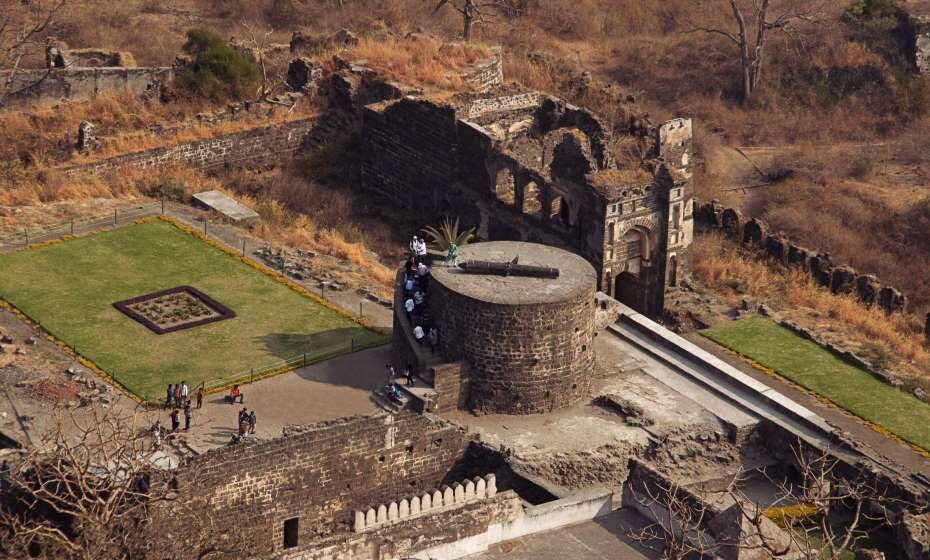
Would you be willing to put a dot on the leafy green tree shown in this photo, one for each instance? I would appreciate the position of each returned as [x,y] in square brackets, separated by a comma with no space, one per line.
[218,71]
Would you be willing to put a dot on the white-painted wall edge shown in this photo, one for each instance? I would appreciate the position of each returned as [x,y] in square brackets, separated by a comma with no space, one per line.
[579,507]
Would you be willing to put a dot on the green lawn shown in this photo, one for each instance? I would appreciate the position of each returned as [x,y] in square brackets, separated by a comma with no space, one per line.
[813,367]
[69,289]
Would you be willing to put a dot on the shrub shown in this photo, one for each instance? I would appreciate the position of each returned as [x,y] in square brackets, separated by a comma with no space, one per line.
[218,71]
[168,189]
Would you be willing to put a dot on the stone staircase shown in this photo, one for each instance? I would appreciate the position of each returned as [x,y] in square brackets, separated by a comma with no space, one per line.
[420,397]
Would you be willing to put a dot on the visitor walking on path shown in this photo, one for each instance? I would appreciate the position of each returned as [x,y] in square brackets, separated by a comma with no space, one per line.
[200,396]
[169,396]
[188,416]
[175,420]
[185,393]
[177,395]
[391,374]
[252,422]
[408,373]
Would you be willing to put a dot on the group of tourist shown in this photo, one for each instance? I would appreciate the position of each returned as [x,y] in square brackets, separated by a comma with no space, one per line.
[246,423]
[391,389]
[416,303]
[178,396]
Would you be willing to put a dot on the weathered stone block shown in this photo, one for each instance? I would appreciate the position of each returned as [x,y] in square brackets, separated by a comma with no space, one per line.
[891,300]
[732,222]
[777,247]
[754,231]
[867,288]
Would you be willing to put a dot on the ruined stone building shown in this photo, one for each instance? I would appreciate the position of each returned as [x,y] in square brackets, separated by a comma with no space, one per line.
[526,166]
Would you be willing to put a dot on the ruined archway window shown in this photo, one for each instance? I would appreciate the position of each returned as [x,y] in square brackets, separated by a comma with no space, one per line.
[673,271]
[611,232]
[565,215]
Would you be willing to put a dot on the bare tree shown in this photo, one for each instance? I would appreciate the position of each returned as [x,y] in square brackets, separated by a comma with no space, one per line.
[824,513]
[23,24]
[258,46]
[88,489]
[478,12]
[680,517]
[751,21]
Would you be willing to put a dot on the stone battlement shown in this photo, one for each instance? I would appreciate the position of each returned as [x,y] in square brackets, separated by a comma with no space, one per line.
[440,499]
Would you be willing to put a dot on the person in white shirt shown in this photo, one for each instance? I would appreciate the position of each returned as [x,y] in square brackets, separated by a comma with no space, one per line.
[418,333]
[409,305]
[421,250]
[184,391]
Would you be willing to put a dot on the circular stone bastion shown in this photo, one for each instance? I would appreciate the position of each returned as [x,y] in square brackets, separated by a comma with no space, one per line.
[527,343]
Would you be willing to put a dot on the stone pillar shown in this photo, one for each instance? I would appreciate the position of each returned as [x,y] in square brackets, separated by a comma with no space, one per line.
[87,137]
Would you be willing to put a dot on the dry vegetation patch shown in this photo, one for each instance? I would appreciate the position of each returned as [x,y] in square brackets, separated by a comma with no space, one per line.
[726,268]
[419,60]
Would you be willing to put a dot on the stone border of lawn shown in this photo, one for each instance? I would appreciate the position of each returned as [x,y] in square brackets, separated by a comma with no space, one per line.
[759,366]
[286,365]
[222,312]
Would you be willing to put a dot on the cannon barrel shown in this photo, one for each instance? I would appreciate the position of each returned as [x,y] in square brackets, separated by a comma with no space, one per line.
[508,269]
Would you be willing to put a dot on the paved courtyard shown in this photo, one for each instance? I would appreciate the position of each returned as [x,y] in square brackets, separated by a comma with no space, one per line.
[324,391]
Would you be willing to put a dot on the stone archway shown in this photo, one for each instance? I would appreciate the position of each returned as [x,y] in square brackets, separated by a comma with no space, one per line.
[504,186]
[565,213]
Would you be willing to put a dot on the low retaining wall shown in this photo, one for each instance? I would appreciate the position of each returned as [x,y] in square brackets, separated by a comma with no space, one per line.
[754,232]
[265,145]
[52,85]
[580,507]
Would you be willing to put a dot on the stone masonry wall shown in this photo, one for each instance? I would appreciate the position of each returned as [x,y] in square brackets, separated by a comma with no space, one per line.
[487,76]
[478,108]
[48,86]
[408,152]
[319,475]
[521,359]
[405,539]
[264,145]
[867,288]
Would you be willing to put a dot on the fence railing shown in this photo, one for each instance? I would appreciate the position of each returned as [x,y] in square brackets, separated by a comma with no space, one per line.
[294,362]
[26,236]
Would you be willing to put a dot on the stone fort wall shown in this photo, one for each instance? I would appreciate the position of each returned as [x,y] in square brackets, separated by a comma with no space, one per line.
[319,476]
[53,85]
[867,288]
[522,359]
[264,145]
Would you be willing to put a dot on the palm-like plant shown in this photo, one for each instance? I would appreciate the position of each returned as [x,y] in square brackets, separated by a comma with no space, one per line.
[447,234]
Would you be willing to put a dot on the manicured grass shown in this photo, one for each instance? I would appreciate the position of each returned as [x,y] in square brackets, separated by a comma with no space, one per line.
[815,368]
[69,289]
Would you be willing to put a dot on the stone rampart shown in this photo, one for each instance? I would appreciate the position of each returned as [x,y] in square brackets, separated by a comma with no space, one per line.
[444,498]
[502,104]
[754,232]
[318,475]
[52,85]
[488,75]
[259,146]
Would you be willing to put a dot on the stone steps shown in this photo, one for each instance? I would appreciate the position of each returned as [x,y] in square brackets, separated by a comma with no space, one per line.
[389,405]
